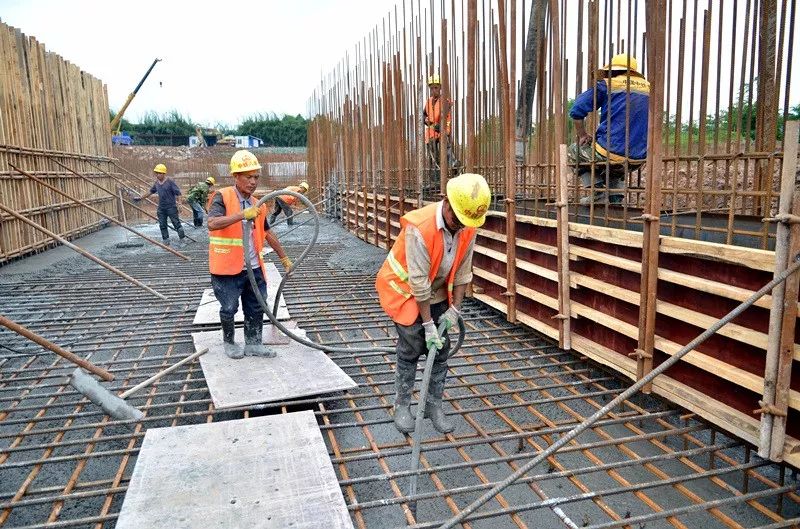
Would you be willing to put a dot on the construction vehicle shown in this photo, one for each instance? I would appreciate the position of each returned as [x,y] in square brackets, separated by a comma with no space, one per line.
[116,123]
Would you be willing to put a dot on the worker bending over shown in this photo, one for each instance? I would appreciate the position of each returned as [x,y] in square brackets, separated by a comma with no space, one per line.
[285,203]
[198,197]
[167,191]
[623,96]
[229,209]
[422,284]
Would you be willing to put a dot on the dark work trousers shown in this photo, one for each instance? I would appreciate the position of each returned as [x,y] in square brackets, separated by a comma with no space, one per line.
[279,206]
[410,346]
[228,290]
[172,213]
[197,213]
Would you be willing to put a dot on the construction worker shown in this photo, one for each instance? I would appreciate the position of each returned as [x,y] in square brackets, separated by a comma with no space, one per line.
[198,197]
[286,202]
[622,94]
[422,284]
[431,115]
[228,209]
[167,191]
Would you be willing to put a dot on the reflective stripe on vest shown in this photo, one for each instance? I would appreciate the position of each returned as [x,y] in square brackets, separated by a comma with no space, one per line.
[226,250]
[392,280]
[398,269]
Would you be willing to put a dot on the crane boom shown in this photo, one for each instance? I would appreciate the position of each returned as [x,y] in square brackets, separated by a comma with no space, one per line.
[115,123]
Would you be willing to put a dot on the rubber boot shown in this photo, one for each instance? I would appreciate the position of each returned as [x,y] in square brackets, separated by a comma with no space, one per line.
[253,339]
[403,386]
[434,412]
[272,219]
[231,349]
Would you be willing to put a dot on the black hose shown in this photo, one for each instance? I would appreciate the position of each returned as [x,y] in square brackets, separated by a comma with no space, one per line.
[246,234]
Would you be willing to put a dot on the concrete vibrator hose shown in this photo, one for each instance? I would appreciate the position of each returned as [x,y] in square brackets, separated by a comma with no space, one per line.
[272,312]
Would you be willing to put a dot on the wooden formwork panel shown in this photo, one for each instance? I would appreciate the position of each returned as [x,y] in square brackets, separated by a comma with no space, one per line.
[698,283]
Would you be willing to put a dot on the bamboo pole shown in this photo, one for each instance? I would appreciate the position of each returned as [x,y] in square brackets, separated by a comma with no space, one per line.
[562,254]
[47,344]
[652,225]
[777,371]
[81,251]
[95,210]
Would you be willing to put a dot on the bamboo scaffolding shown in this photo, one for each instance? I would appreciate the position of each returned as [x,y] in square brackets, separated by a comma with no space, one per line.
[81,251]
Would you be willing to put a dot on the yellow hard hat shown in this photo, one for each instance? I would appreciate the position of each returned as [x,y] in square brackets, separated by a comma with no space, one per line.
[243,161]
[304,185]
[211,181]
[160,168]
[434,79]
[620,62]
[469,196]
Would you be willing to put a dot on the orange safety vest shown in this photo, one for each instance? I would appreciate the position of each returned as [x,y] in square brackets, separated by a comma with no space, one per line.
[392,281]
[289,199]
[433,114]
[226,253]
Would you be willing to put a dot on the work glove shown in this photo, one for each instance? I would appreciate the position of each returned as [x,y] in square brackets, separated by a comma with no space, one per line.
[251,213]
[432,337]
[137,199]
[450,318]
[286,262]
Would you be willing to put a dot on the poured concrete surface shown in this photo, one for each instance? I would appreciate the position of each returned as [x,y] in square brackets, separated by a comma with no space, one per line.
[297,371]
[271,471]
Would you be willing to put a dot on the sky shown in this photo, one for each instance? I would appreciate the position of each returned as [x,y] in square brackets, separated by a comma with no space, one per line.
[221,60]
[224,61]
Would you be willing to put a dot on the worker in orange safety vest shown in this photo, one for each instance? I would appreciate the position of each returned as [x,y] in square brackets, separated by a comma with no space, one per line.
[432,117]
[422,284]
[229,208]
[285,203]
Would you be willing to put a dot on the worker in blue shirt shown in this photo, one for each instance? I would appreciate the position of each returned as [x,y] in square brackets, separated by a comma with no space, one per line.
[621,92]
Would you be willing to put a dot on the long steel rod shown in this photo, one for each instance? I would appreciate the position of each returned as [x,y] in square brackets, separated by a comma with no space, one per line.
[81,251]
[632,390]
[95,210]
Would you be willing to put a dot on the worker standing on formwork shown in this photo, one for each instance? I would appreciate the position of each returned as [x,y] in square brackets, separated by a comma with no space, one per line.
[285,203]
[167,191]
[432,115]
[229,208]
[422,284]
[198,197]
[623,96]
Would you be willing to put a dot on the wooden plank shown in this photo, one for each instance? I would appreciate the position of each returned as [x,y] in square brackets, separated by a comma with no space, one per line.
[271,471]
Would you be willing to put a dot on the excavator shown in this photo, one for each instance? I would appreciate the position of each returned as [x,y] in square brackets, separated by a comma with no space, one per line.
[116,123]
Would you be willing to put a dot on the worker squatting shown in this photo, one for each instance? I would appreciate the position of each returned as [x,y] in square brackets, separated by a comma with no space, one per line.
[422,282]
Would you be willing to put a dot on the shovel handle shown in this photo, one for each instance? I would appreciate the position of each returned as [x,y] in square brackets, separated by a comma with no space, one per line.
[128,392]
[47,344]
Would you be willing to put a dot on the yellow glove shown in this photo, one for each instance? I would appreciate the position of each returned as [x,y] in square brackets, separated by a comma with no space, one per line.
[287,263]
[251,213]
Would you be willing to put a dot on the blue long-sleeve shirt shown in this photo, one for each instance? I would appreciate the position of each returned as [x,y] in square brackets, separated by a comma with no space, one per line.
[638,99]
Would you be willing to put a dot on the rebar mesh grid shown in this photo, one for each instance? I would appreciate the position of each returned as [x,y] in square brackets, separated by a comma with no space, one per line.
[64,464]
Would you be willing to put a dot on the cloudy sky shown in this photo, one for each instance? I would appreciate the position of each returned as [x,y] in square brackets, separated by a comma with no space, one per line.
[221,60]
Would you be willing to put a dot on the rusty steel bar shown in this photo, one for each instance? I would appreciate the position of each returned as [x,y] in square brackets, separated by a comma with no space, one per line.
[47,344]
[95,210]
[81,251]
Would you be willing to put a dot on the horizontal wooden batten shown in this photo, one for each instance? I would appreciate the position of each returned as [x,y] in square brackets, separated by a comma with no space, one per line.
[698,282]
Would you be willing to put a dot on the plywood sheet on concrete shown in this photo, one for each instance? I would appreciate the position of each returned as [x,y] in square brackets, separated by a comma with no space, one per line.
[208,311]
[298,371]
[265,472]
